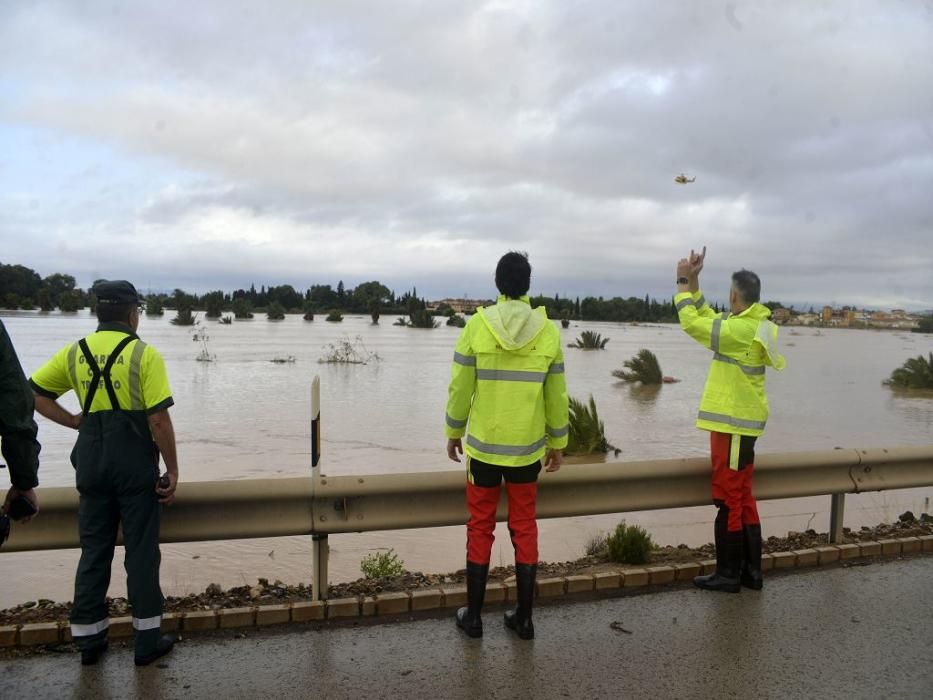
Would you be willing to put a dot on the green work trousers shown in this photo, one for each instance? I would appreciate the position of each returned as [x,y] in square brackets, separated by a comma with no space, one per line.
[117,467]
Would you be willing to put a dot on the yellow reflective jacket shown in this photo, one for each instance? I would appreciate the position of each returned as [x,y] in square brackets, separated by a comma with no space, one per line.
[734,400]
[507,383]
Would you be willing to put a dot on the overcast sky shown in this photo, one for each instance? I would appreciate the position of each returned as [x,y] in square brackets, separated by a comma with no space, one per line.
[215,144]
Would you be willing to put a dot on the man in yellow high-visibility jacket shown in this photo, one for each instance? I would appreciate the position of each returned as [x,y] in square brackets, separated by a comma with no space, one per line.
[734,410]
[507,384]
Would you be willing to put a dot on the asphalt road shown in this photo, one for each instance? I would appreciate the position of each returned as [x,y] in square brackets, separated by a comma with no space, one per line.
[858,632]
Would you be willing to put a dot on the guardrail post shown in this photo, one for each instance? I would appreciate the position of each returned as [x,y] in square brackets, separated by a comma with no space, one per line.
[320,547]
[836,515]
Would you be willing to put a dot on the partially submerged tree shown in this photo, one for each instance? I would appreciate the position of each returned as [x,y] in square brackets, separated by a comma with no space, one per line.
[587,431]
[184,317]
[421,318]
[915,373]
[154,306]
[334,316]
[242,308]
[348,352]
[644,368]
[275,311]
[457,321]
[589,340]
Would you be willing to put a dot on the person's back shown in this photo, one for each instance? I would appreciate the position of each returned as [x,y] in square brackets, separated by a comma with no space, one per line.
[512,348]
[508,396]
[18,431]
[734,410]
[123,389]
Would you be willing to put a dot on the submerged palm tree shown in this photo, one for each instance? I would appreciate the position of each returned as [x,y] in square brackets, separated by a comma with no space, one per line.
[587,431]
[590,340]
[916,373]
[644,368]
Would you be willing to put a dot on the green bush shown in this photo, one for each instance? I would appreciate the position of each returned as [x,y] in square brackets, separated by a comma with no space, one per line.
[382,564]
[629,544]
[457,321]
[334,316]
[644,368]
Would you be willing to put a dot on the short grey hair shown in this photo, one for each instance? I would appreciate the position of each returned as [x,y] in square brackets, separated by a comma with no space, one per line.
[748,285]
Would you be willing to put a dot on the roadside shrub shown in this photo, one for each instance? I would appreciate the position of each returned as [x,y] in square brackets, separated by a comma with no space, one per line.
[382,564]
[629,544]
[589,340]
[644,368]
[596,544]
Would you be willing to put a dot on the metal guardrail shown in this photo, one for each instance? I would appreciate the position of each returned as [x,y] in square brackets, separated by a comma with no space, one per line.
[322,505]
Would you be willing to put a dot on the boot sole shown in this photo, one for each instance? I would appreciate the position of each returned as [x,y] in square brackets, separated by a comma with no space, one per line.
[472,633]
[720,589]
[521,635]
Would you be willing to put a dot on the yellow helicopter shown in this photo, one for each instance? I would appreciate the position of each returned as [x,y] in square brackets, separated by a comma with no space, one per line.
[683,179]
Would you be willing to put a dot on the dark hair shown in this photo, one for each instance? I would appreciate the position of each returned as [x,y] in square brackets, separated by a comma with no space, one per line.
[748,286]
[114,313]
[513,274]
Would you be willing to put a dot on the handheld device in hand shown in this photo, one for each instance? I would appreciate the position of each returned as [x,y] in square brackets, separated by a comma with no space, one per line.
[164,482]
[21,507]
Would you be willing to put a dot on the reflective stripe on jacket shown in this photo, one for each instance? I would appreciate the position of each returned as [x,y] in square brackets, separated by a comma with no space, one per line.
[734,399]
[507,384]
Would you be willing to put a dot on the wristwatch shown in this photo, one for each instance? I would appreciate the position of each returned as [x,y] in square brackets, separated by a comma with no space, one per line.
[683,280]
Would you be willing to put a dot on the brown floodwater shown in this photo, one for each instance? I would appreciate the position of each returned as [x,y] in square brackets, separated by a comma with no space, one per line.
[245,417]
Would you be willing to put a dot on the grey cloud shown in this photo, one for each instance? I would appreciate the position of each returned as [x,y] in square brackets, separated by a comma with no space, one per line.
[552,126]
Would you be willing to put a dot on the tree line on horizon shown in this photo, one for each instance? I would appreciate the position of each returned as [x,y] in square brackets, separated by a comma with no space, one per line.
[24,288]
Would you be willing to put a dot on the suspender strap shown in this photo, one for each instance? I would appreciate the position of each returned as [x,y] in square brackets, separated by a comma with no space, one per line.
[97,373]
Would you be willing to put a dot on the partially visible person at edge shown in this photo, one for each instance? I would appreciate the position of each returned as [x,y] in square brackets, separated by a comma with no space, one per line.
[123,389]
[734,409]
[18,431]
[507,385]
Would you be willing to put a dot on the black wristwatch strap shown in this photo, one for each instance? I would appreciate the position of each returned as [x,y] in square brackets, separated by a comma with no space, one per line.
[683,280]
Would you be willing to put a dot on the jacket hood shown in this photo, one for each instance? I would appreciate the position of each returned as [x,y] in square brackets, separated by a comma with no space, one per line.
[513,322]
[766,335]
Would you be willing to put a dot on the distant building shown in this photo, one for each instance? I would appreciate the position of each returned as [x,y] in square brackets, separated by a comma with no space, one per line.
[781,316]
[461,306]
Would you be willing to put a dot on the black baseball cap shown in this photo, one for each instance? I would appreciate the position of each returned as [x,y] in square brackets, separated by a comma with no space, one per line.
[116,292]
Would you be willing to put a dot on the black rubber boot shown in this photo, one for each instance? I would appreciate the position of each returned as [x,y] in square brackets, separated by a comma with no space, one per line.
[469,618]
[163,647]
[519,619]
[90,657]
[751,567]
[719,534]
[726,579]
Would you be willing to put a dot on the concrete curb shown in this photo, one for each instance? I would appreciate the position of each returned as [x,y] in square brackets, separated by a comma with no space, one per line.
[388,605]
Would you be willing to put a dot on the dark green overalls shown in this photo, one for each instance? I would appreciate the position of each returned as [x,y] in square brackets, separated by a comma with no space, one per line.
[117,467]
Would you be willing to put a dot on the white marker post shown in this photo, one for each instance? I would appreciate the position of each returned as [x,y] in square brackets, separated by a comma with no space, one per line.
[320,548]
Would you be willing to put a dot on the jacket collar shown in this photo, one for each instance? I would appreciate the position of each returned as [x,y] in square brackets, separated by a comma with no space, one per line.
[114,326]
[503,298]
